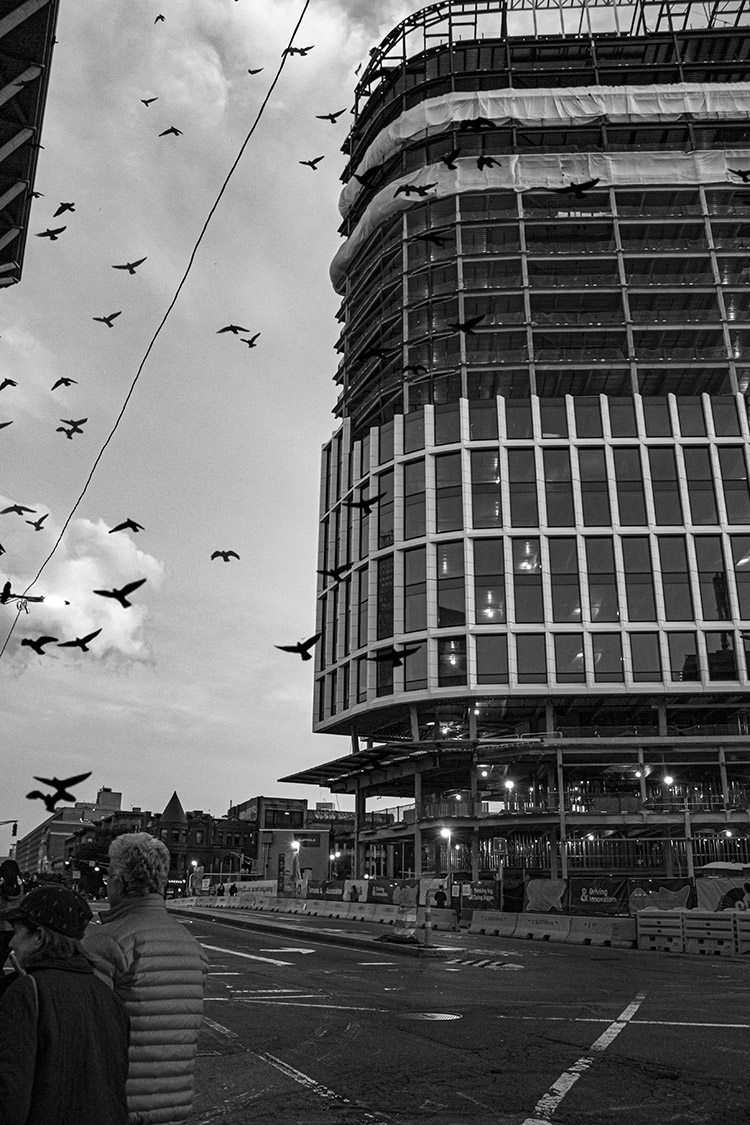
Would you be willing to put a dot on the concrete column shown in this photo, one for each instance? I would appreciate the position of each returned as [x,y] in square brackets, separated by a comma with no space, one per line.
[642,771]
[563,830]
[417,829]
[723,775]
[475,830]
[360,804]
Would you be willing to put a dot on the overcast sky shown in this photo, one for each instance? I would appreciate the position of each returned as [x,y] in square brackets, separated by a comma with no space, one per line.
[219,447]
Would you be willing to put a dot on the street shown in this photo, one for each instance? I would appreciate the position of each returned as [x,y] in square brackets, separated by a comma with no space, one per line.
[498,1032]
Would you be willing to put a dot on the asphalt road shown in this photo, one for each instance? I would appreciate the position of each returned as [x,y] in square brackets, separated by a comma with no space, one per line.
[499,1032]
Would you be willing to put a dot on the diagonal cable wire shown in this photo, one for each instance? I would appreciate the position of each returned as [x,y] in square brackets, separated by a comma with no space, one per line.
[172,303]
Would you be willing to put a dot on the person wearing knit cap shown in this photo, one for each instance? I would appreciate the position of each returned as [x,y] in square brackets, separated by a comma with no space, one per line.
[63,1032]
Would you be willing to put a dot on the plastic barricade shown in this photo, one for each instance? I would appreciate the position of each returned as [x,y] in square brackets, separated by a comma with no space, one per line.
[741,931]
[660,931]
[443,919]
[361,911]
[384,912]
[542,927]
[493,922]
[617,932]
[711,933]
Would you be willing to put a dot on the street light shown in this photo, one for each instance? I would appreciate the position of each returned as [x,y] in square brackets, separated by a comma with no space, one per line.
[446,834]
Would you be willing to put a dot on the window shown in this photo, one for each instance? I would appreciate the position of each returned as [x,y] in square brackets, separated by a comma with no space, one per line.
[600,563]
[414,431]
[734,480]
[415,669]
[607,658]
[447,423]
[362,679]
[414,500]
[527,580]
[385,509]
[639,583]
[645,658]
[554,417]
[570,667]
[594,494]
[622,421]
[385,597]
[656,416]
[726,422]
[629,478]
[741,560]
[683,657]
[558,488]
[385,442]
[451,661]
[199,836]
[492,658]
[383,677]
[518,420]
[588,417]
[700,485]
[690,413]
[361,578]
[345,673]
[531,657]
[333,691]
[415,589]
[563,565]
[485,488]
[522,477]
[722,663]
[450,515]
[712,579]
[482,419]
[347,603]
[450,584]
[489,581]
[678,601]
[666,492]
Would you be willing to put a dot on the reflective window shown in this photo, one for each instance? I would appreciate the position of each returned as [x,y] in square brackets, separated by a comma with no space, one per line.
[664,486]
[558,488]
[522,477]
[712,578]
[639,583]
[629,478]
[415,668]
[414,500]
[489,581]
[726,422]
[385,443]
[385,597]
[492,659]
[734,480]
[656,416]
[450,515]
[607,658]
[645,657]
[485,488]
[700,485]
[570,666]
[482,419]
[741,561]
[690,413]
[588,417]
[361,586]
[414,430]
[415,589]
[563,565]
[345,674]
[451,602]
[385,509]
[678,601]
[527,580]
[384,677]
[594,489]
[600,564]
[518,421]
[554,417]
[362,679]
[333,689]
[683,657]
[451,654]
[447,423]
[531,657]
[722,663]
[622,420]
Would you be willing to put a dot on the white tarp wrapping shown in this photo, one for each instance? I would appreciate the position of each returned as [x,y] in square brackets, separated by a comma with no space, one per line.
[548,170]
[575,105]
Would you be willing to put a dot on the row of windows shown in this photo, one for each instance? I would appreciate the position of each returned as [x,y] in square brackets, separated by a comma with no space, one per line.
[538,659]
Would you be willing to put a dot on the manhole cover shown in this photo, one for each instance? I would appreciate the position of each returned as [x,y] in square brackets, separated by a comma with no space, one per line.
[429,1016]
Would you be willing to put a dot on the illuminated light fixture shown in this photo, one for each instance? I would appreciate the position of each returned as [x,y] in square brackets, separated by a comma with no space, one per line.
[591,836]
[295,845]
[728,832]
[509,784]
[638,773]
[668,780]
[484,773]
[445,833]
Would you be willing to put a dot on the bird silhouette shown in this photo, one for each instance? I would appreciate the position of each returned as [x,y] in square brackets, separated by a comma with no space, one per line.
[392,656]
[63,208]
[63,381]
[235,329]
[5,594]
[130,266]
[19,509]
[256,71]
[378,353]
[302,648]
[52,235]
[4,424]
[2,549]
[251,342]
[75,426]
[336,572]
[416,368]
[297,50]
[148,101]
[578,191]
[61,786]
[312,163]
[367,178]
[332,117]
[430,236]
[487,162]
[160,18]
[37,524]
[36,194]
[49,799]
[127,525]
[63,430]
[467,325]
[107,319]
[8,383]
[121,595]
[743,173]
[450,159]
[225,555]
[413,189]
[476,125]
[171,131]
[365,506]
[80,642]
[38,644]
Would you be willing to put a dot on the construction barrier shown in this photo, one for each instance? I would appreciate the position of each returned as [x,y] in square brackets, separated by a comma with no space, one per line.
[712,933]
[542,927]
[741,932]
[617,932]
[660,931]
[493,922]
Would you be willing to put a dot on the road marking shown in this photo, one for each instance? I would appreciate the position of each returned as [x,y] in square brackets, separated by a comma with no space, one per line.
[303,1079]
[376,962]
[547,1104]
[250,956]
[636,1023]
[287,1003]
[215,973]
[469,964]
[220,1028]
[292,949]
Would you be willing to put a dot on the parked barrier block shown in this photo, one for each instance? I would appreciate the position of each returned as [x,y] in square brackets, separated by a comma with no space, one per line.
[660,931]
[709,933]
[617,932]
[542,927]
[741,932]
[493,922]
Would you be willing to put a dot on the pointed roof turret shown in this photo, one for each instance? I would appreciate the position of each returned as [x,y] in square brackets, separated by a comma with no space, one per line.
[174,812]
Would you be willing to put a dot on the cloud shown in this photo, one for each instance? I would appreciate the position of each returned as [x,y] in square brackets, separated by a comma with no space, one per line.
[87,559]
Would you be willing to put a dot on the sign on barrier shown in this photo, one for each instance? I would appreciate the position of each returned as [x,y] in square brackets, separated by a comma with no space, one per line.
[542,927]
[493,922]
[619,932]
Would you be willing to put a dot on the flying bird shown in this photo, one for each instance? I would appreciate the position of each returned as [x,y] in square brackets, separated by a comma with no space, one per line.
[235,329]
[80,642]
[416,368]
[38,644]
[329,116]
[37,524]
[225,555]
[127,525]
[121,595]
[160,18]
[378,353]
[367,178]
[148,101]
[297,50]
[251,341]
[36,194]
[19,509]
[391,656]
[63,208]
[475,125]
[312,163]
[430,236]
[172,130]
[8,383]
[75,426]
[63,381]
[468,325]
[336,572]
[302,647]
[4,424]
[487,162]
[52,235]
[578,191]
[61,789]
[130,266]
[450,159]
[5,594]
[365,506]
[743,173]
[62,430]
[107,319]
[256,71]
[413,189]
[2,549]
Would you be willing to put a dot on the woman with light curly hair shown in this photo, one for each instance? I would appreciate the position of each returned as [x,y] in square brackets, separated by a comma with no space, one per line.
[159,972]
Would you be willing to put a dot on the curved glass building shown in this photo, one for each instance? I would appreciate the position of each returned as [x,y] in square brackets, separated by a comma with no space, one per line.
[535,512]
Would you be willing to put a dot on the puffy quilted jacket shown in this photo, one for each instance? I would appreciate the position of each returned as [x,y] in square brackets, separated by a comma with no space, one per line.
[159,972]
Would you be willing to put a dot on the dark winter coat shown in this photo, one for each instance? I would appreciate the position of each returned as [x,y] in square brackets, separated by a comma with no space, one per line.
[159,972]
[63,1050]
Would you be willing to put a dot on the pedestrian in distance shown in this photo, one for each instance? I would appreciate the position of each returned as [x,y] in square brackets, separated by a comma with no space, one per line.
[233,890]
[159,972]
[440,898]
[11,892]
[220,890]
[63,1032]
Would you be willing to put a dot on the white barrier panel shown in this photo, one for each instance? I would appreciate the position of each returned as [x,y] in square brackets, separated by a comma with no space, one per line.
[618,932]
[712,933]
[542,927]
[493,922]
[660,931]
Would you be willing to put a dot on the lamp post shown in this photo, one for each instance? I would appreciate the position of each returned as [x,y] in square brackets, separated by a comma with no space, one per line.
[295,864]
[446,834]
[331,860]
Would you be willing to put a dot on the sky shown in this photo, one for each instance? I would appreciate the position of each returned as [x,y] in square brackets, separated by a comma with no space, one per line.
[219,445]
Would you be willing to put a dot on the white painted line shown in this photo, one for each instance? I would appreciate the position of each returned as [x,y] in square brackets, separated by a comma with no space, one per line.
[214,973]
[250,956]
[547,1104]
[285,1003]
[292,949]
[220,1028]
[303,1079]
[635,1023]
[376,962]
